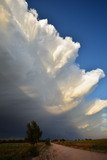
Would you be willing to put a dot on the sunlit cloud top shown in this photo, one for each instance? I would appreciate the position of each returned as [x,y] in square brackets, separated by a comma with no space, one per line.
[42,64]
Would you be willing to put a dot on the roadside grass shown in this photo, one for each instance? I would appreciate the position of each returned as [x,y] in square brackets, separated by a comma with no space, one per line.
[19,151]
[99,145]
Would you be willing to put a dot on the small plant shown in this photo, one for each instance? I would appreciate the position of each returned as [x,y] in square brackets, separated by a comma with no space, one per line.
[48,142]
[33,151]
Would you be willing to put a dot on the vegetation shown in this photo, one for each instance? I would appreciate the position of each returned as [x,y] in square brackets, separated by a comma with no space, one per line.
[33,132]
[21,149]
[99,145]
[26,149]
[48,142]
[17,151]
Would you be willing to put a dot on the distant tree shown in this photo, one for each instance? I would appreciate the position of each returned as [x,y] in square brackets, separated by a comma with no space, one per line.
[62,140]
[33,132]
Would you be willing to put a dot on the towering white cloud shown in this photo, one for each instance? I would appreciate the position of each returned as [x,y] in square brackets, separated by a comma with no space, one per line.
[35,59]
[97,106]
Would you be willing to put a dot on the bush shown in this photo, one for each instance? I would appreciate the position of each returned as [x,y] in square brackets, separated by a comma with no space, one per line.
[33,151]
[47,142]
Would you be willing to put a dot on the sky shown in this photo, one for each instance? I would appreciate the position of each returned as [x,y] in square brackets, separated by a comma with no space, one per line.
[53,68]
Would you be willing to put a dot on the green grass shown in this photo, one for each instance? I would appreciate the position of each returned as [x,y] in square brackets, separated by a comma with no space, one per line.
[99,145]
[18,151]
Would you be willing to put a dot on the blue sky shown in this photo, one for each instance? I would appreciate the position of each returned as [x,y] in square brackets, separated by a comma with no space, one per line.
[86,23]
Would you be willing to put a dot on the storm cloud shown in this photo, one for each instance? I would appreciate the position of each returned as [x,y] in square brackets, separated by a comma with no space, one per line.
[39,78]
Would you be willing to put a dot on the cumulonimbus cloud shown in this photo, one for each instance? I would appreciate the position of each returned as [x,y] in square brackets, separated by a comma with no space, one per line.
[35,59]
[41,55]
[97,106]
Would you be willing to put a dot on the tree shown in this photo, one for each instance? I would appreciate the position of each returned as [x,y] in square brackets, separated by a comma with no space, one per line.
[33,132]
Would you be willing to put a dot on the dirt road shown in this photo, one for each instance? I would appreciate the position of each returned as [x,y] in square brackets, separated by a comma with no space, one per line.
[58,152]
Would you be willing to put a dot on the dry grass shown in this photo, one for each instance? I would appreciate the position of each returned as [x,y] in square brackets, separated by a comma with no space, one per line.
[18,151]
[99,145]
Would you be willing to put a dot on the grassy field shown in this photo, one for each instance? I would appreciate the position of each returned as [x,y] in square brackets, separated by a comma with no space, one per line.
[99,145]
[25,151]
[18,151]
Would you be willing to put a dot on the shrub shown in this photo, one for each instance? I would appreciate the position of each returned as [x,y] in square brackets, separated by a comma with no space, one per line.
[33,151]
[47,142]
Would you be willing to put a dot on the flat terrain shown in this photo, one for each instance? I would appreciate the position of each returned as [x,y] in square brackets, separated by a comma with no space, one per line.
[59,152]
[98,145]
[18,151]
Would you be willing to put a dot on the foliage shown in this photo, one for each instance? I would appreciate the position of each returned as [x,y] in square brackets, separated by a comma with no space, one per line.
[33,132]
[47,142]
[19,151]
[33,151]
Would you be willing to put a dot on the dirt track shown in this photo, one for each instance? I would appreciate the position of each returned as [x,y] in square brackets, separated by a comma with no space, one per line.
[58,152]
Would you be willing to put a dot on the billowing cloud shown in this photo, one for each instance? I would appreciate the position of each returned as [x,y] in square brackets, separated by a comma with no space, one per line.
[40,65]
[97,106]
[4,16]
